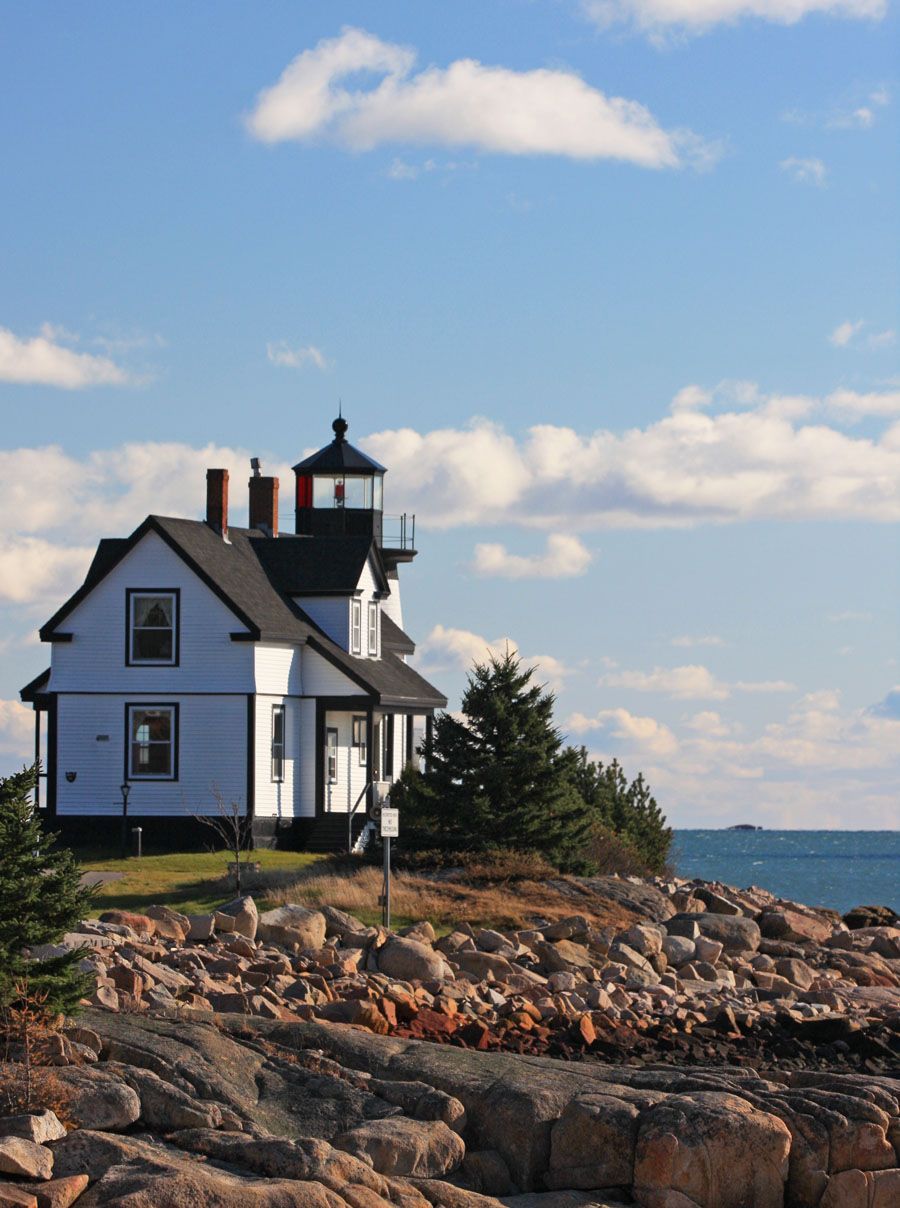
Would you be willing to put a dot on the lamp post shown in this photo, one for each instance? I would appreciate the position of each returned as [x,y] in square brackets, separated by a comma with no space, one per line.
[124,789]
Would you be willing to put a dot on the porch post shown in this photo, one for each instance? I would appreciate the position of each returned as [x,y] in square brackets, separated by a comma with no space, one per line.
[370,755]
[320,759]
[429,734]
[37,758]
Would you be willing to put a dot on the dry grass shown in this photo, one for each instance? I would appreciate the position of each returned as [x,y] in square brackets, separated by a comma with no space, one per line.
[444,900]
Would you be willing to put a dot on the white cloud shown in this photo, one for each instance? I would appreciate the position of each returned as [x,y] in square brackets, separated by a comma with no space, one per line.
[565,558]
[848,333]
[710,723]
[882,403]
[16,730]
[493,109]
[35,571]
[859,116]
[774,458]
[810,171]
[703,639]
[282,353]
[690,682]
[446,646]
[658,18]
[44,361]
[849,615]
[822,766]
[644,734]
[844,332]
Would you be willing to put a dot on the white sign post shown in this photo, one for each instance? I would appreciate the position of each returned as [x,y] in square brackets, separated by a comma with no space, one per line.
[390,829]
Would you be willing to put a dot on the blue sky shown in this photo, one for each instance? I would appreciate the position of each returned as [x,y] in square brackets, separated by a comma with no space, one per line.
[610,288]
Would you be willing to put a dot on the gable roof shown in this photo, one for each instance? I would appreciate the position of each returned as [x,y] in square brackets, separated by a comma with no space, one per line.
[35,687]
[249,577]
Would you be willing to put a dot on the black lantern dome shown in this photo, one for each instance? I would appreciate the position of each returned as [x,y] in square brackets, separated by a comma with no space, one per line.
[340,491]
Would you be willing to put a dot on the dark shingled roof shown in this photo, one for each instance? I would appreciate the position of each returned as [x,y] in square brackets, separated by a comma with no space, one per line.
[255,580]
[317,565]
[393,637]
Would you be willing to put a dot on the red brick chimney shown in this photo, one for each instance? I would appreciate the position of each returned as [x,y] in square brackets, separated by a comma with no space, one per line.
[217,501]
[263,502]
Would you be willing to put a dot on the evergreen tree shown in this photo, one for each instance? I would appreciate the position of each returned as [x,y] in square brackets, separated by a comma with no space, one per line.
[629,810]
[499,777]
[40,898]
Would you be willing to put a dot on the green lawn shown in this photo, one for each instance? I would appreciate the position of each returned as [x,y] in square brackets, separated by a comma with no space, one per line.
[192,882]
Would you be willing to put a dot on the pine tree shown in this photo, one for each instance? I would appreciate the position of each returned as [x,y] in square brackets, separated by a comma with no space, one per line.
[499,777]
[629,810]
[40,899]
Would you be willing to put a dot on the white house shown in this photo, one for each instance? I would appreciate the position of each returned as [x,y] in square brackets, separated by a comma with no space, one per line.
[199,661]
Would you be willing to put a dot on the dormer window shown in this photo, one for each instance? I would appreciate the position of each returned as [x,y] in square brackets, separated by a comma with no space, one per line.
[152,618]
[356,626]
[373,629]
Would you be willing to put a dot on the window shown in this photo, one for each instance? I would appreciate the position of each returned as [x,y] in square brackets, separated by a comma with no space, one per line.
[152,742]
[373,628]
[331,755]
[360,739]
[278,742]
[356,626]
[152,628]
[387,747]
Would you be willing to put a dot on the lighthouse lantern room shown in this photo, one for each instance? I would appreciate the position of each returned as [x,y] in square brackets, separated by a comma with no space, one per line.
[340,491]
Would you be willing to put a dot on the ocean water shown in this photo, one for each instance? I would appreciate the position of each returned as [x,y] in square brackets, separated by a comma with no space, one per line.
[832,868]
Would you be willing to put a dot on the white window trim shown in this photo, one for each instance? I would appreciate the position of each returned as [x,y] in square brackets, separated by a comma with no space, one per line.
[172,710]
[278,746]
[373,628]
[149,593]
[331,751]
[356,626]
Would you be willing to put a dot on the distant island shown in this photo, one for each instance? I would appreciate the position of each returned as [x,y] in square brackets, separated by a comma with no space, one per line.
[743,826]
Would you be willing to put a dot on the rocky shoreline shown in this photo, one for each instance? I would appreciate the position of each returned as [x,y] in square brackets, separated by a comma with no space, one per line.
[724,1048]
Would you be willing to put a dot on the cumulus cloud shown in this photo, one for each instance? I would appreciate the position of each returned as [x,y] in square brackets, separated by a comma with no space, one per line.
[644,734]
[659,18]
[774,458]
[446,647]
[808,171]
[690,682]
[35,571]
[885,403]
[466,104]
[16,730]
[564,558]
[822,765]
[703,639]
[45,360]
[298,356]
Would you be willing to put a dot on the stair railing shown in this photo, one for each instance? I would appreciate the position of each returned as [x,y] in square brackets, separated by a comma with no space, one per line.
[352,814]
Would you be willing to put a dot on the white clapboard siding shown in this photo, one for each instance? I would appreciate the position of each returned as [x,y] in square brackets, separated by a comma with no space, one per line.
[306,780]
[331,613]
[351,778]
[277,669]
[95,658]
[277,799]
[212,755]
[322,678]
[391,603]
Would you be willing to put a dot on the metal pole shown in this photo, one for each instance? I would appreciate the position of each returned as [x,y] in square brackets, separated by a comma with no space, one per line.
[137,831]
[386,896]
